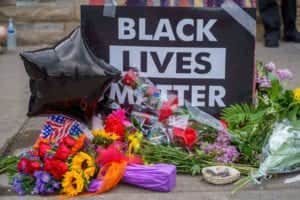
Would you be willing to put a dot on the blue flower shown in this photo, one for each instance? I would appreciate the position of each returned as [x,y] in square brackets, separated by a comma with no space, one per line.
[44,183]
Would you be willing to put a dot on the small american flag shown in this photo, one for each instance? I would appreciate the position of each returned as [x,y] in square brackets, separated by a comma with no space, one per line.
[58,126]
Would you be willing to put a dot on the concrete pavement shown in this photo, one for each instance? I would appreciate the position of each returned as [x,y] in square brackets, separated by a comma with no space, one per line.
[14,124]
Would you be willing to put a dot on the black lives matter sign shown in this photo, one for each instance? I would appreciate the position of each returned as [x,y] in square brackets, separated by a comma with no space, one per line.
[203,55]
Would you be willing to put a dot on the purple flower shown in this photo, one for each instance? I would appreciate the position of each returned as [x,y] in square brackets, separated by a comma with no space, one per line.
[44,177]
[17,184]
[44,183]
[264,82]
[270,66]
[94,185]
[229,155]
[284,74]
[223,138]
[221,149]
[56,185]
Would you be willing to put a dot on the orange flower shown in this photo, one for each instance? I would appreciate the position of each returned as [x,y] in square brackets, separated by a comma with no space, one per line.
[79,144]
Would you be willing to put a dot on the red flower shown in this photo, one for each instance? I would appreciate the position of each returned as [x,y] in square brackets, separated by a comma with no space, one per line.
[167,109]
[22,164]
[130,78]
[188,136]
[34,166]
[27,166]
[110,154]
[114,125]
[165,113]
[62,152]
[56,168]
[69,141]
[43,148]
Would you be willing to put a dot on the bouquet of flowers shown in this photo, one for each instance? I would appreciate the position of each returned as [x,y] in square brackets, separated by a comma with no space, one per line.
[72,165]
[48,168]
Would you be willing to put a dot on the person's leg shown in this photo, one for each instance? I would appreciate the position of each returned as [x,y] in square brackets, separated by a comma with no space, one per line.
[269,13]
[289,13]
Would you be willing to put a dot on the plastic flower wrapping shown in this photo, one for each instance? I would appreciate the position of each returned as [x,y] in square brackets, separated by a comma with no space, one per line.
[281,154]
[282,151]
[158,177]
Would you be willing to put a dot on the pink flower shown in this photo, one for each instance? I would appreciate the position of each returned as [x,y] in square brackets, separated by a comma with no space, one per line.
[270,66]
[116,122]
[130,78]
[120,114]
[284,74]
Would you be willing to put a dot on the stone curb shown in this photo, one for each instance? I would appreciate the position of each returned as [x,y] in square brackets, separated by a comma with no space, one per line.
[8,142]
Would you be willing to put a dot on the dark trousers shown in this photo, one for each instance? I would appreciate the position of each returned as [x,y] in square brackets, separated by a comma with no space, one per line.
[269,12]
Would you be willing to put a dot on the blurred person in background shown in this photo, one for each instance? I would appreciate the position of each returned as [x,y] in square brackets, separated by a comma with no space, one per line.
[269,12]
[3,36]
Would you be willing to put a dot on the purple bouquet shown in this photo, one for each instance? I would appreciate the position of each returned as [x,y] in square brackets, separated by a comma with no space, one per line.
[159,177]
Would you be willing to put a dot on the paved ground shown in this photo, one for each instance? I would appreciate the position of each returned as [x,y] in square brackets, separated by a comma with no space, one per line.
[14,124]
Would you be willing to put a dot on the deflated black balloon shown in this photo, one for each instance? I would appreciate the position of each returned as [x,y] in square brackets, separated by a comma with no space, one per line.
[67,78]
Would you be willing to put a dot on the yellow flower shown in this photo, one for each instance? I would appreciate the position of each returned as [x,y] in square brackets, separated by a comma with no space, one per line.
[134,141]
[296,94]
[106,135]
[72,183]
[84,163]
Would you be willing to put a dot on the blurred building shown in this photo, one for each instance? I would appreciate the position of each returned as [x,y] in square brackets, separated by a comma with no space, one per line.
[47,21]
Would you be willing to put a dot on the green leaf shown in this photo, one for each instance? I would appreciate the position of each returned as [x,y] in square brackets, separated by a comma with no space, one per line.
[196,169]
[292,114]
[276,90]
[236,115]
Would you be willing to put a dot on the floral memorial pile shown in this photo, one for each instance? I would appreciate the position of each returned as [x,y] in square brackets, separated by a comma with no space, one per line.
[146,145]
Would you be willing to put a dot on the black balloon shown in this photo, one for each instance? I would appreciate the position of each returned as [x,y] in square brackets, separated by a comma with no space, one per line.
[67,78]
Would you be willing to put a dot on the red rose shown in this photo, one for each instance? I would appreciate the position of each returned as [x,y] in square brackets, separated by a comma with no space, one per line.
[43,149]
[188,136]
[56,168]
[22,164]
[33,166]
[28,166]
[130,78]
[62,152]
[167,109]
[69,141]
[165,113]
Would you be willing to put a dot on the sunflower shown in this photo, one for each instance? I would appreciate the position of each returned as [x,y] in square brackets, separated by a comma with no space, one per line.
[106,135]
[296,94]
[104,138]
[84,163]
[72,183]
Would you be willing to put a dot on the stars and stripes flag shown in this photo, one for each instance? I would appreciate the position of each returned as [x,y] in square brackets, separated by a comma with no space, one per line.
[58,126]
